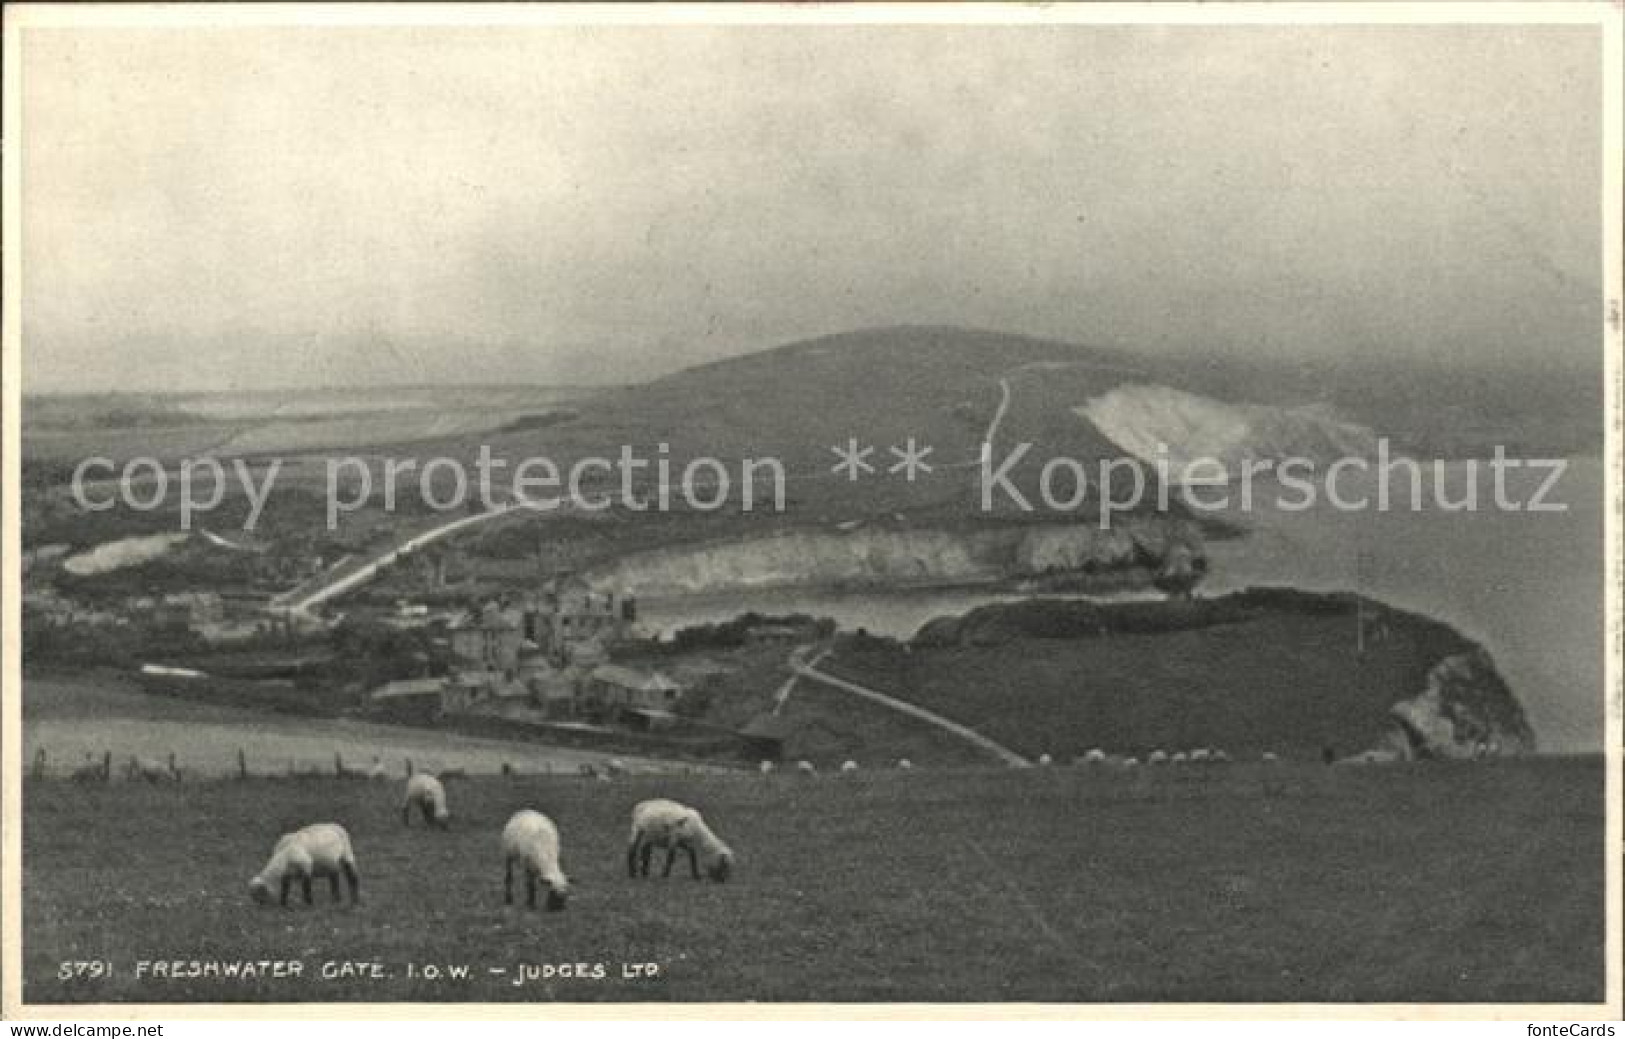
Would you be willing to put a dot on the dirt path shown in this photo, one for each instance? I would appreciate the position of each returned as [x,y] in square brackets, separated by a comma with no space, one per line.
[998,750]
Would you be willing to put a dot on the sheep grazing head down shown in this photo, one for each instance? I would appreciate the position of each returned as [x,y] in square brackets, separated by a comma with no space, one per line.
[557,895]
[721,867]
[261,891]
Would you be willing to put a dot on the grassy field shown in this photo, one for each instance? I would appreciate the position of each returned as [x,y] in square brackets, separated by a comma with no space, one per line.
[1287,678]
[79,717]
[1297,883]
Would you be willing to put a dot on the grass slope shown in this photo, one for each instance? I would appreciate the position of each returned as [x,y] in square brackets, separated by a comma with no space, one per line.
[1301,883]
[1281,672]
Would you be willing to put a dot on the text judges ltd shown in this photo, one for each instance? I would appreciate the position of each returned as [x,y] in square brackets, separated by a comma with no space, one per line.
[378,970]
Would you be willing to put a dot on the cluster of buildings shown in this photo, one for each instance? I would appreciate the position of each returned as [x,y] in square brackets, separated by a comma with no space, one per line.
[546,657]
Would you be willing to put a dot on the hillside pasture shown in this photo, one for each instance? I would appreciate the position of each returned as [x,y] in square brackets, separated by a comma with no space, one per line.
[1249,882]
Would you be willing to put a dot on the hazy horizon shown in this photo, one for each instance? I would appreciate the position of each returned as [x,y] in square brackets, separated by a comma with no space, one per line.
[242,209]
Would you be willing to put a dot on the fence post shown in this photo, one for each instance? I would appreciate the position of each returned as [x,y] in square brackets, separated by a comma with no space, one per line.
[39,763]
[338,764]
[242,764]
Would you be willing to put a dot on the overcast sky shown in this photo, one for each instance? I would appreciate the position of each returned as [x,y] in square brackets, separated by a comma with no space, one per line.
[230,208]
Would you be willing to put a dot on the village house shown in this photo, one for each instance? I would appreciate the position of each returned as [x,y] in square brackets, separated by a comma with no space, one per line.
[492,640]
[569,614]
[644,699]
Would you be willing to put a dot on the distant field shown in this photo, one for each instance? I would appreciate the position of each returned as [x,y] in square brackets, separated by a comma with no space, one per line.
[66,429]
[72,718]
[1302,883]
[1278,680]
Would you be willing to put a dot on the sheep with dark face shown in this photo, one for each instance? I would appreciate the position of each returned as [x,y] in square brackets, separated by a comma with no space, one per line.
[318,850]
[425,794]
[531,841]
[676,827]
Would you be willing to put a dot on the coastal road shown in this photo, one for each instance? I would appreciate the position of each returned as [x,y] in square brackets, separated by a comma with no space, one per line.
[809,670]
[343,577]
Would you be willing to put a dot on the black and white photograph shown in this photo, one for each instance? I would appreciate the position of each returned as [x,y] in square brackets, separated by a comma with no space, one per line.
[981,506]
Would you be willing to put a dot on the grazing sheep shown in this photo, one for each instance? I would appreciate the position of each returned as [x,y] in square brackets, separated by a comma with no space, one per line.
[1045,760]
[904,764]
[1095,756]
[615,767]
[1157,757]
[1221,757]
[1179,758]
[666,824]
[531,840]
[1130,762]
[318,850]
[1200,755]
[849,766]
[805,768]
[765,768]
[152,771]
[1269,757]
[425,793]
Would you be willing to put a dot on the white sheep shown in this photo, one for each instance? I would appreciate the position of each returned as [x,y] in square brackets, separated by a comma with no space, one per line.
[318,850]
[805,767]
[424,792]
[1095,756]
[1130,762]
[666,824]
[615,767]
[1157,757]
[1269,757]
[849,766]
[1200,754]
[1044,760]
[904,764]
[1179,758]
[152,771]
[531,840]
[765,768]
[1221,757]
